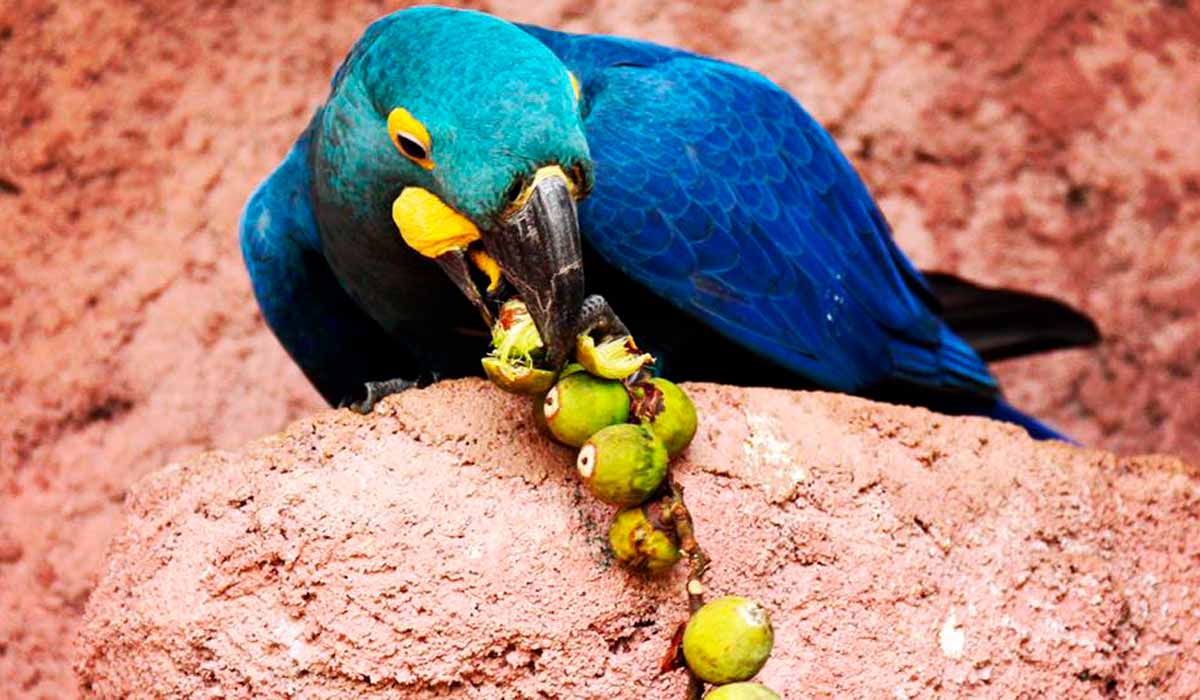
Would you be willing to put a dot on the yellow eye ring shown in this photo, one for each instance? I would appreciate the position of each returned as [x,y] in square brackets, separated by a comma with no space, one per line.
[410,137]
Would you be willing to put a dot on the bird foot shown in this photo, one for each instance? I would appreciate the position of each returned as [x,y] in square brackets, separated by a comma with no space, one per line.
[596,316]
[376,391]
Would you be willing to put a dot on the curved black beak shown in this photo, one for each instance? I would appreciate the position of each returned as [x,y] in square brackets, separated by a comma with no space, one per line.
[454,264]
[539,253]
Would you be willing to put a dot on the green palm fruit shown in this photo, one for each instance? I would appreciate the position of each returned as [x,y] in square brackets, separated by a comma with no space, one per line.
[623,465]
[579,405]
[539,413]
[613,359]
[517,379]
[516,350]
[742,691]
[641,541]
[728,640]
[666,409]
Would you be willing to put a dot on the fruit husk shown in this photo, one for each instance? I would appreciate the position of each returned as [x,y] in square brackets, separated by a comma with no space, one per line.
[616,358]
[517,379]
[673,658]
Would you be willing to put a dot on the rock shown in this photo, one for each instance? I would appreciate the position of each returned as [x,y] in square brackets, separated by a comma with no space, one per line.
[431,550]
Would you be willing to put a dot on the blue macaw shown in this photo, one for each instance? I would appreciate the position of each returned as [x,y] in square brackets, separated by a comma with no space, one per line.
[460,158]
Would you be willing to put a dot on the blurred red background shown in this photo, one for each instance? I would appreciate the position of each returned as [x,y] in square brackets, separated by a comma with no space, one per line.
[1046,145]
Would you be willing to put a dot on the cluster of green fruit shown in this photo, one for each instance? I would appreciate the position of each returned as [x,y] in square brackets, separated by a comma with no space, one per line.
[627,428]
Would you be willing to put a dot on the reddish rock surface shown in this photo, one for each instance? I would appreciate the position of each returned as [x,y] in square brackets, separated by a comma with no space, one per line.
[431,552]
[1045,144]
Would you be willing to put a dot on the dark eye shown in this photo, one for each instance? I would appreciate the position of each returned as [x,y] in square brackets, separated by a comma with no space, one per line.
[410,146]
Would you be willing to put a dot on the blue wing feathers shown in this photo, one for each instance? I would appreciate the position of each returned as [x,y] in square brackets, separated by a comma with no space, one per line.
[715,191]
[718,192]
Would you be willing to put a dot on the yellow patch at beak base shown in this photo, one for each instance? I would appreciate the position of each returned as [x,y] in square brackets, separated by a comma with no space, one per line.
[488,266]
[429,226]
[542,173]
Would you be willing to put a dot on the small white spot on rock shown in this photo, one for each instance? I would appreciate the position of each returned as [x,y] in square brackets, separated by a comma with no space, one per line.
[517,658]
[764,444]
[952,638]
[290,635]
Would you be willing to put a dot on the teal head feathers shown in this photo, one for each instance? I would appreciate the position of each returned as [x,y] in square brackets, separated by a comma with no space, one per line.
[465,134]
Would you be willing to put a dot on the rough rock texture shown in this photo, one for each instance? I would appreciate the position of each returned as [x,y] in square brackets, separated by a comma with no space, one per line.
[432,552]
[1045,144]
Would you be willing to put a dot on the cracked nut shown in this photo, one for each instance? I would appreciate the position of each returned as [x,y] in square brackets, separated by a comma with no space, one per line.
[616,358]
[516,350]
[517,379]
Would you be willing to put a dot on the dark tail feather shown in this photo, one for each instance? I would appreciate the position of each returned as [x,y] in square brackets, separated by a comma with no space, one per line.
[1002,410]
[1002,323]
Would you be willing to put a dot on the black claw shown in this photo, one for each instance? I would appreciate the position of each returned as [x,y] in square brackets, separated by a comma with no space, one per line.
[597,316]
[376,391]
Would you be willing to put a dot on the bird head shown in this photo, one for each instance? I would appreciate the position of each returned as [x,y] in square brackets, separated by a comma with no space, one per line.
[469,131]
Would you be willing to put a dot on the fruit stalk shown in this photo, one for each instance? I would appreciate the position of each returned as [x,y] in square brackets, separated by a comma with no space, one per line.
[698,563]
